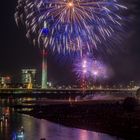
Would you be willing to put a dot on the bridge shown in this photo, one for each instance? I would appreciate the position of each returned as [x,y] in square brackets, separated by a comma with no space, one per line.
[65,93]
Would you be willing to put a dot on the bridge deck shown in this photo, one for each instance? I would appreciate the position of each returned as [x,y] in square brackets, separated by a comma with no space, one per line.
[63,93]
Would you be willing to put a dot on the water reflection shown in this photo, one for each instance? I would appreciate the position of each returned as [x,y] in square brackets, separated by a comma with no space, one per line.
[83,135]
[1,127]
[35,129]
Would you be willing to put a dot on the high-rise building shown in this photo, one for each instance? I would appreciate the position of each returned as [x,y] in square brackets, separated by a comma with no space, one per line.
[29,77]
[5,81]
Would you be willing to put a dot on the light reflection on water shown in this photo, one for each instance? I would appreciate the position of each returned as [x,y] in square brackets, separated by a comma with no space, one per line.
[35,129]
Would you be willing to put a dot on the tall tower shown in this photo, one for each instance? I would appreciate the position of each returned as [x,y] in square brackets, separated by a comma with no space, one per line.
[44,69]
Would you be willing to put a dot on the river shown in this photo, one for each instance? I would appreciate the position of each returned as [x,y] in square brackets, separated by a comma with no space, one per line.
[35,129]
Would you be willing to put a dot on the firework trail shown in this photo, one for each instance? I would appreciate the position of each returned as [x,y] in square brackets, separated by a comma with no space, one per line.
[70,25]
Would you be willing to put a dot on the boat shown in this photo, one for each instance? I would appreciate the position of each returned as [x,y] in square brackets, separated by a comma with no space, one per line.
[20,132]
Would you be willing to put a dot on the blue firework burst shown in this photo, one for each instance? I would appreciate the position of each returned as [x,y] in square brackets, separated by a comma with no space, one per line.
[70,25]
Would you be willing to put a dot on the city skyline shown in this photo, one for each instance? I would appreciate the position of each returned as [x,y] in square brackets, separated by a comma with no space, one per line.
[16,52]
[69,70]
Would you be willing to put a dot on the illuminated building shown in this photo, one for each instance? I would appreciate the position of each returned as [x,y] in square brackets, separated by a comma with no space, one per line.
[132,84]
[29,77]
[5,81]
[44,70]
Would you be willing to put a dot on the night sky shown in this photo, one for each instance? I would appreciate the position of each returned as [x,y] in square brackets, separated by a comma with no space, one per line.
[16,52]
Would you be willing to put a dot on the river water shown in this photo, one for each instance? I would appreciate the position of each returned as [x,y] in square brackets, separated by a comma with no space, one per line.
[35,129]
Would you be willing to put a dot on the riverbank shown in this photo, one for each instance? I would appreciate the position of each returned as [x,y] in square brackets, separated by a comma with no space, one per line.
[101,116]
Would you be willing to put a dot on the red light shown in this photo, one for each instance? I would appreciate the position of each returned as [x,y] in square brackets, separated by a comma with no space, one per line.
[7,78]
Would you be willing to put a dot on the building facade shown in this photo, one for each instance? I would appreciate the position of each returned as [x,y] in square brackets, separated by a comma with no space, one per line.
[29,77]
[5,81]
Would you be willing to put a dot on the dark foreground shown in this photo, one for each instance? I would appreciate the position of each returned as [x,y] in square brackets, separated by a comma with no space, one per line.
[107,117]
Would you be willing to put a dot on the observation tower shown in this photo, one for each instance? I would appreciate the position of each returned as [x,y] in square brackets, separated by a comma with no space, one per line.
[44,69]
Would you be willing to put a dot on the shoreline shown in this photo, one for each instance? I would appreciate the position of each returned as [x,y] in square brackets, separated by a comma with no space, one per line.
[103,117]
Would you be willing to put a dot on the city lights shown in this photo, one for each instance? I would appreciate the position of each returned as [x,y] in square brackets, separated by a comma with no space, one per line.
[69,70]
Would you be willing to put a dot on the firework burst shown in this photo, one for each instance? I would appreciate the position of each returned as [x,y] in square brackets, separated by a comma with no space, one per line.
[70,25]
[90,69]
